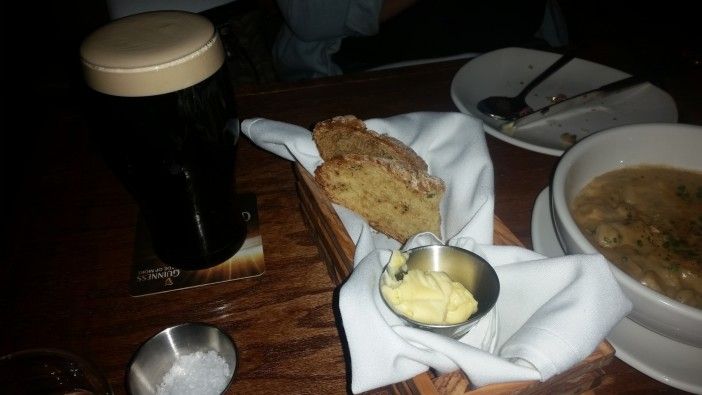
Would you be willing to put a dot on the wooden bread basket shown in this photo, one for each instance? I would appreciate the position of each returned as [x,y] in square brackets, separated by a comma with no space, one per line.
[338,250]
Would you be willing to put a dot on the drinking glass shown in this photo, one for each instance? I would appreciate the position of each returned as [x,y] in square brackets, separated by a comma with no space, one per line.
[50,371]
[164,117]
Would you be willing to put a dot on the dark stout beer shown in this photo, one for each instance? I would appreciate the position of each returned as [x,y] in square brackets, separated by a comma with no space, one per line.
[165,120]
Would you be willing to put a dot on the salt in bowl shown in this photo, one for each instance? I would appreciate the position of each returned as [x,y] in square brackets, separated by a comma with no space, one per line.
[189,345]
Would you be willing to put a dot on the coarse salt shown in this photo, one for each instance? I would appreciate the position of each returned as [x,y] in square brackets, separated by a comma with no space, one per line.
[198,373]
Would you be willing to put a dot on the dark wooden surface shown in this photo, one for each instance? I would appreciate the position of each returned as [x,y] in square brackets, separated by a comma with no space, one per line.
[68,252]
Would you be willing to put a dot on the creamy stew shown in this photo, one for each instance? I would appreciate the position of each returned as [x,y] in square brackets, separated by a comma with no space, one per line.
[647,220]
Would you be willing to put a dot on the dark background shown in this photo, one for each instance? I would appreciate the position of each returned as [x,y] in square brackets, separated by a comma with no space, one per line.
[41,73]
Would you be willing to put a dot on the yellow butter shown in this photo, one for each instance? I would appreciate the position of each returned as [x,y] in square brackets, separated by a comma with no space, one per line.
[426,296]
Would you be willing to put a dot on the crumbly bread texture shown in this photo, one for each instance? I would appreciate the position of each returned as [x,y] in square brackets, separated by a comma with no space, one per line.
[347,134]
[395,198]
[378,177]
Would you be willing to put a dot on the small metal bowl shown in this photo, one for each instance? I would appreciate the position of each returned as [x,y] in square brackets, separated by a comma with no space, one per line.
[158,354]
[461,265]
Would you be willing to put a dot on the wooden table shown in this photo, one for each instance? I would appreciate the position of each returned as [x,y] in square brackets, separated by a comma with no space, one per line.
[68,257]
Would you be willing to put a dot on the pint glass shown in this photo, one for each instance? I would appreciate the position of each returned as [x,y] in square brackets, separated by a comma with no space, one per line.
[163,114]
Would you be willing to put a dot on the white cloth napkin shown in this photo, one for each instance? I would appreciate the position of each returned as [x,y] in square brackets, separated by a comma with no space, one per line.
[551,312]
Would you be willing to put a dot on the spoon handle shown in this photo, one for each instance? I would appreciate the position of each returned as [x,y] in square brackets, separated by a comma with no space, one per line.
[562,61]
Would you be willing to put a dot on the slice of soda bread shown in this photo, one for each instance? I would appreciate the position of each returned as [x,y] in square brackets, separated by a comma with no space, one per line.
[393,198]
[390,189]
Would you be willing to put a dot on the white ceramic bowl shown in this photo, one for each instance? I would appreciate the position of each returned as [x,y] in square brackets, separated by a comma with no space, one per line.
[669,144]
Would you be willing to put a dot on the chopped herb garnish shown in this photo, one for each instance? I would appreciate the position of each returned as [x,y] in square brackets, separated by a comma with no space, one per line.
[682,192]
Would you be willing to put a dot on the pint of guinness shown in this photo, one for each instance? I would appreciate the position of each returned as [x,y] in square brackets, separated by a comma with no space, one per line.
[164,116]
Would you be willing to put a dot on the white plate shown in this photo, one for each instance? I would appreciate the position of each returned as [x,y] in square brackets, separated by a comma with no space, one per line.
[656,356]
[506,71]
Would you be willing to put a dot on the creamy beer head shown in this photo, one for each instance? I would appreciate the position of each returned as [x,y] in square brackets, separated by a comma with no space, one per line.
[151,54]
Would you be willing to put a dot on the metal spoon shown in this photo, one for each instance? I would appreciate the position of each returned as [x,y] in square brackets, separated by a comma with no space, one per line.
[505,108]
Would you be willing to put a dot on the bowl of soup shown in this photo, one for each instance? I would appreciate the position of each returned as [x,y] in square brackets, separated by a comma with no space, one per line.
[634,194]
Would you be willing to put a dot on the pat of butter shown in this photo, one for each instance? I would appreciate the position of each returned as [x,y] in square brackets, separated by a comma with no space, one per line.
[426,296]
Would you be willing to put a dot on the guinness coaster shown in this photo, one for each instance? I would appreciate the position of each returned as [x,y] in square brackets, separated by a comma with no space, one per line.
[150,275]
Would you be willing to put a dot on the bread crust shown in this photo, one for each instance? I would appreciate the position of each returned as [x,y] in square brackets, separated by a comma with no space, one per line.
[378,177]
[347,134]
